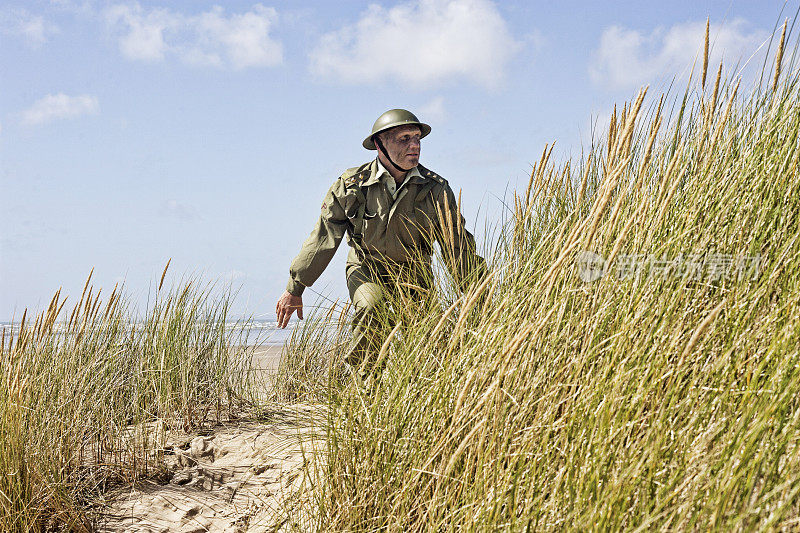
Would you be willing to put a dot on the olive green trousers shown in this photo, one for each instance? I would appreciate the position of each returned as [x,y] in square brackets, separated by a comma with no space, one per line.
[378,292]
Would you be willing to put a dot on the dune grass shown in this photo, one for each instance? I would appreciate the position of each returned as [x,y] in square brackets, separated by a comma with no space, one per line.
[88,392]
[663,395]
[311,357]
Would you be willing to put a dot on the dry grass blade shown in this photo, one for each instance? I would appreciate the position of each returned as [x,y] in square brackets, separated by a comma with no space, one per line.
[699,331]
[779,58]
[164,274]
[705,54]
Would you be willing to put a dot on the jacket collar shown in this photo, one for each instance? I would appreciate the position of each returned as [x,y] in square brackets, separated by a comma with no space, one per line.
[415,175]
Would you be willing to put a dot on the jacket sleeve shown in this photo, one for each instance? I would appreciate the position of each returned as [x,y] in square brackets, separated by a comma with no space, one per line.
[320,247]
[457,244]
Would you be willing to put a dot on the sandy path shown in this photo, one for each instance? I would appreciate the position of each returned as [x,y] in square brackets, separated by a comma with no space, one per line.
[266,359]
[236,479]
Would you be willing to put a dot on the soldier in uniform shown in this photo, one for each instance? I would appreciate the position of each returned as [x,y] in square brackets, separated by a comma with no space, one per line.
[391,209]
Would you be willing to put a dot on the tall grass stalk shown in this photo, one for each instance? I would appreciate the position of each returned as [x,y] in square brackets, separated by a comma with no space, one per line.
[311,357]
[88,391]
[648,399]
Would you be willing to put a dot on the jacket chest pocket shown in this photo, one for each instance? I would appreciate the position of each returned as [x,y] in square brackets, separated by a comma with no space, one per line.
[371,222]
[375,214]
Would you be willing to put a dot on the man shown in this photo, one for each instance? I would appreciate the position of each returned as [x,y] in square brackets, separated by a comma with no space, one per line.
[392,210]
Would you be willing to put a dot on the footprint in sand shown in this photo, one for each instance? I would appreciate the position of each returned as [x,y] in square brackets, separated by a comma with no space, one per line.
[202,447]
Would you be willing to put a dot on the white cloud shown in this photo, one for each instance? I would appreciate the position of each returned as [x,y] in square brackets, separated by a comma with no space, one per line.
[34,29]
[210,38]
[245,38]
[418,42]
[628,58]
[143,35]
[59,106]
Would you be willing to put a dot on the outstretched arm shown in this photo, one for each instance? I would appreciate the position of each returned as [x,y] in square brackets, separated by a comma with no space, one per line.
[317,251]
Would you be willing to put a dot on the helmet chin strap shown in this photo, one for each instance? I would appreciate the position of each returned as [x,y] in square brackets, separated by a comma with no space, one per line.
[380,145]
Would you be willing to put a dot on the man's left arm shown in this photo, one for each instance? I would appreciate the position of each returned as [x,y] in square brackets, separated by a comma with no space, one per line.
[457,243]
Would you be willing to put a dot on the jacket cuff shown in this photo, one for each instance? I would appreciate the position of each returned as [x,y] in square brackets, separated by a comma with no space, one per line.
[295,288]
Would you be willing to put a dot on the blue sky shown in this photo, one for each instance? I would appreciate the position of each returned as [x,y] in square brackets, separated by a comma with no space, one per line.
[209,132]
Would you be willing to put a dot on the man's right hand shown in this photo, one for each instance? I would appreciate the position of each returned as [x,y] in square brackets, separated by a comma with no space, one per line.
[287,304]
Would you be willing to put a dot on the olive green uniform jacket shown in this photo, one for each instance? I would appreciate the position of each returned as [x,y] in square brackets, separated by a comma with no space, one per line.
[385,231]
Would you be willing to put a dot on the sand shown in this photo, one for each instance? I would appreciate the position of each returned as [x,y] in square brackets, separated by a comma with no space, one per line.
[240,477]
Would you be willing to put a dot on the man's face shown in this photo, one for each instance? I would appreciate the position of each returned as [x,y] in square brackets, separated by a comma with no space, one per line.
[403,145]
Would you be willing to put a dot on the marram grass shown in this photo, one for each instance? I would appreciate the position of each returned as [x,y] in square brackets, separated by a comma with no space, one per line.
[648,399]
[88,391]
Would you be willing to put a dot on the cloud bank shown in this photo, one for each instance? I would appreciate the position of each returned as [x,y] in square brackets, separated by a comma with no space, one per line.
[418,43]
[33,29]
[628,58]
[59,106]
[211,38]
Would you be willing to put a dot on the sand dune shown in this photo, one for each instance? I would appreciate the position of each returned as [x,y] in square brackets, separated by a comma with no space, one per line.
[240,477]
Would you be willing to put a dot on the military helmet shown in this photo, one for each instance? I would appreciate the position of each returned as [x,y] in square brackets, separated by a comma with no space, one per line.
[391,119]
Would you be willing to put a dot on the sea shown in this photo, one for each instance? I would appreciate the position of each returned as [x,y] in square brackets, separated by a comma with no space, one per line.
[262,332]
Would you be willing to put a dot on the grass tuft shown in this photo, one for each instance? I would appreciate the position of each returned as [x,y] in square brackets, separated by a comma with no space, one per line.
[88,392]
[664,395]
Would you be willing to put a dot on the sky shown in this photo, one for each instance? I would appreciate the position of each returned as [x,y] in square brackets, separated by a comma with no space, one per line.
[207,133]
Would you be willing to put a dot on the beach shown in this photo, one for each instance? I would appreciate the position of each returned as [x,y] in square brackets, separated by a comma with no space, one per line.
[239,476]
